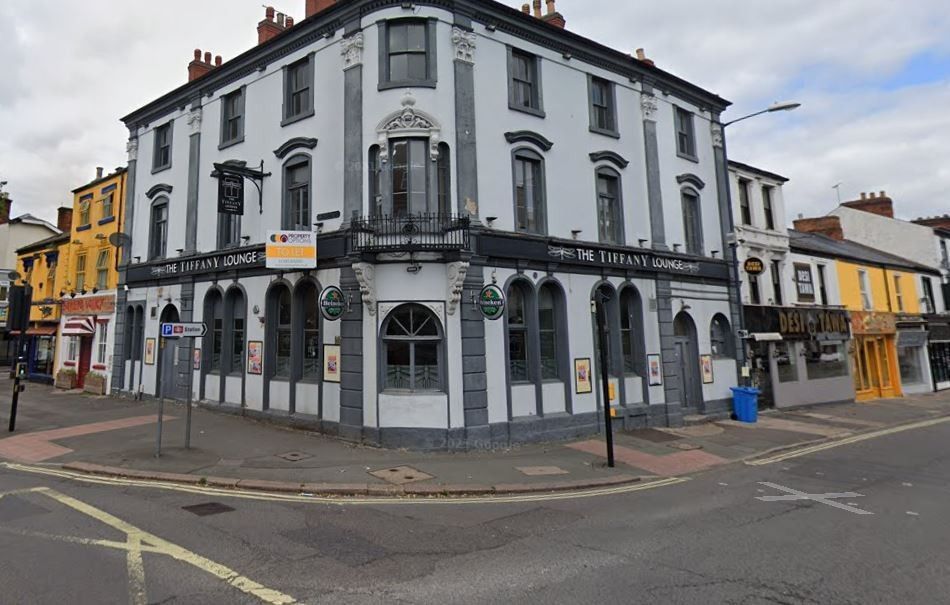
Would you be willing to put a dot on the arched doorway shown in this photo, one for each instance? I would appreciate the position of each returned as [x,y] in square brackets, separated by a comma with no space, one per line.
[167,354]
[687,362]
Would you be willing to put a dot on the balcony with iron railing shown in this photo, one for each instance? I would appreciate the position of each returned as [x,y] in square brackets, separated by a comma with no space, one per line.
[425,232]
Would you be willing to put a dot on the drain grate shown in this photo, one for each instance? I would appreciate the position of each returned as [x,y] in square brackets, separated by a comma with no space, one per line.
[208,509]
[294,456]
[401,475]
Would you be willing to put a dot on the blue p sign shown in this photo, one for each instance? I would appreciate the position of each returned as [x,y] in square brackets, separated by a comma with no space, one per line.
[167,330]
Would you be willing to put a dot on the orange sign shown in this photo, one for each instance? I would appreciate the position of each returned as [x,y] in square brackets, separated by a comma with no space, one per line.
[863,322]
[93,305]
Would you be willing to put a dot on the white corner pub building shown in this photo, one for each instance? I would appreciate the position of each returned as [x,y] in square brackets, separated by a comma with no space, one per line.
[436,147]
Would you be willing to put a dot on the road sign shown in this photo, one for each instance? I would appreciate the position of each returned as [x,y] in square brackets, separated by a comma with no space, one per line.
[184,330]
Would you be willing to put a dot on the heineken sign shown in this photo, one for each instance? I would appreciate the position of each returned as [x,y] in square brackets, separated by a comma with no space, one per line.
[491,302]
[332,303]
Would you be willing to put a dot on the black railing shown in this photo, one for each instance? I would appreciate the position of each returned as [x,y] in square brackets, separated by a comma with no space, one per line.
[410,233]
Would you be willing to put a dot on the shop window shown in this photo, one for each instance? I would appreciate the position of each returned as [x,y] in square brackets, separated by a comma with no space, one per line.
[908,359]
[297,193]
[214,319]
[720,337]
[102,343]
[412,343]
[609,207]
[529,192]
[158,236]
[80,272]
[549,301]
[236,322]
[784,354]
[308,310]
[102,270]
[631,332]
[279,331]
[518,333]
[825,360]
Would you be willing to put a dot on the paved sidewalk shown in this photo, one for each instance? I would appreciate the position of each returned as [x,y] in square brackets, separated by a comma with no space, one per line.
[112,436]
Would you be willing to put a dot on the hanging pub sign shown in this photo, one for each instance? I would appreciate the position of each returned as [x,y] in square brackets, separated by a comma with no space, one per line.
[231,194]
[754,266]
[332,303]
[491,302]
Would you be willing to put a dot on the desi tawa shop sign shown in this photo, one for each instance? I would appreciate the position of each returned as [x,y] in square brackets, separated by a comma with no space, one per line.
[799,324]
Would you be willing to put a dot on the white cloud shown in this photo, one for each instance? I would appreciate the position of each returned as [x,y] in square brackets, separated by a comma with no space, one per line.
[70,70]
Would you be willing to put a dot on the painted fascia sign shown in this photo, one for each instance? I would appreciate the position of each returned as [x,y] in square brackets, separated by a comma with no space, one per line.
[291,250]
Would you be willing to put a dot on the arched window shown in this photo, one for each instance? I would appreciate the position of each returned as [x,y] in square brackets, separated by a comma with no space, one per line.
[609,207]
[518,333]
[631,332]
[158,233]
[720,337]
[214,342]
[296,214]
[444,176]
[549,300]
[236,314]
[412,349]
[375,185]
[692,222]
[529,194]
[279,332]
[308,334]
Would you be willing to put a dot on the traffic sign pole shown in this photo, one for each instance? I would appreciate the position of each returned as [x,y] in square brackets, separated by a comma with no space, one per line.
[161,396]
[191,373]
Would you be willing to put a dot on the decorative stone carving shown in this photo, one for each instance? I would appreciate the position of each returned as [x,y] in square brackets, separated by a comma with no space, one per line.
[132,148]
[194,120]
[366,276]
[410,122]
[464,43]
[648,106]
[716,130]
[352,50]
[456,273]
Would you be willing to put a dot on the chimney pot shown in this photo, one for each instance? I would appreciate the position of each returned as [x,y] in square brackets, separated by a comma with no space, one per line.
[290,22]
[864,195]
[208,58]
[281,19]
[537,8]
[526,9]
[218,61]
[197,54]
[641,55]
[98,172]
[269,13]
[551,9]
[882,194]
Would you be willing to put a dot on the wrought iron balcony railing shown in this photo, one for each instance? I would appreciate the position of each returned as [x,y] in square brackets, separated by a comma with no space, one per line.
[410,233]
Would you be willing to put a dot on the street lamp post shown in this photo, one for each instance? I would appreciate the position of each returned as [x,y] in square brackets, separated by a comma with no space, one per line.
[742,357]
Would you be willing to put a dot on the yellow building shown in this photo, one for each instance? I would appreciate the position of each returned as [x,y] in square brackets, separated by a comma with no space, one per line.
[90,279]
[40,265]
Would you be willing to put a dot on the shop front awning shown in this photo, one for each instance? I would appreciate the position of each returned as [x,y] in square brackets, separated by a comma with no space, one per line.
[766,337]
[36,331]
[79,326]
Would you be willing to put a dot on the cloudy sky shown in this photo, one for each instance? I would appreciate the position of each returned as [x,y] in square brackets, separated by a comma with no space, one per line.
[873,77]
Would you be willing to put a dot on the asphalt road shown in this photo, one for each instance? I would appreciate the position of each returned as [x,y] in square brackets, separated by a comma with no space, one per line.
[706,540]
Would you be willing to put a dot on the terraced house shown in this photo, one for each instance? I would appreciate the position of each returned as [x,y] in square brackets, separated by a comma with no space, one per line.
[476,176]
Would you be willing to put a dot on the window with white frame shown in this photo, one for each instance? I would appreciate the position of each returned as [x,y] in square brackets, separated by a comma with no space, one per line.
[865,286]
[108,206]
[80,272]
[72,348]
[102,343]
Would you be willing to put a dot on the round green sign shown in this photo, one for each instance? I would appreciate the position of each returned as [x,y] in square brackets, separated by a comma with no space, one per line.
[491,302]
[332,303]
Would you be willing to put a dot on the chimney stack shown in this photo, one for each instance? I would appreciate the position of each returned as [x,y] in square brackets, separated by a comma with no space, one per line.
[316,6]
[642,57]
[98,172]
[553,17]
[270,27]
[537,9]
[64,219]
[5,203]
[526,8]
[873,203]
[199,66]
[829,226]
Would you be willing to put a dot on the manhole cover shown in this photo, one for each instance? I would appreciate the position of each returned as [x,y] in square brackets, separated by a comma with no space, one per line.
[652,435]
[208,508]
[294,456]
[400,475]
[686,447]
[541,471]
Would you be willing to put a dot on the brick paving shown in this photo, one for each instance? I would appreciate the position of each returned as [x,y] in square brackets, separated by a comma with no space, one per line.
[678,463]
[37,447]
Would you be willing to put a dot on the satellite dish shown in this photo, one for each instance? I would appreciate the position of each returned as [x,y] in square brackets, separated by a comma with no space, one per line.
[119,239]
[13,276]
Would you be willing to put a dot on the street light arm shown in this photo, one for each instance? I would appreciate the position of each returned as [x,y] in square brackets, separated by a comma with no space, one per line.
[786,106]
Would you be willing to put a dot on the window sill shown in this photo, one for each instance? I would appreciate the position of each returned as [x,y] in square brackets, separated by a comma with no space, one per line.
[539,113]
[409,392]
[606,132]
[295,119]
[233,142]
[107,220]
[407,84]
[84,227]
[157,169]
[688,157]
[310,381]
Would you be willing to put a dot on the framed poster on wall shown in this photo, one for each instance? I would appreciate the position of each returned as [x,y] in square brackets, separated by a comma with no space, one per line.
[706,362]
[197,359]
[331,363]
[255,357]
[655,370]
[149,351]
[582,378]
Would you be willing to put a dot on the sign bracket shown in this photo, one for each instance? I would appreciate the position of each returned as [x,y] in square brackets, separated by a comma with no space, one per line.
[255,175]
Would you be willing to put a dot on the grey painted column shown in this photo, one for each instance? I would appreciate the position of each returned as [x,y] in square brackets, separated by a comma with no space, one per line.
[127,210]
[474,378]
[727,227]
[184,346]
[118,345]
[466,157]
[352,50]
[672,382]
[351,368]
[651,152]
[194,159]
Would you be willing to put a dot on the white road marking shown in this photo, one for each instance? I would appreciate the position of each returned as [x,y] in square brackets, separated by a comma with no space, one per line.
[913,514]
[829,499]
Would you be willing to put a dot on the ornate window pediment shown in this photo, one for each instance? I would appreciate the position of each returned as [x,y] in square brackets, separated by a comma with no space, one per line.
[410,122]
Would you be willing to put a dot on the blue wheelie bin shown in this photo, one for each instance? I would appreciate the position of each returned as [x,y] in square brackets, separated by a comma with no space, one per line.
[745,403]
